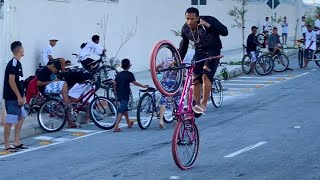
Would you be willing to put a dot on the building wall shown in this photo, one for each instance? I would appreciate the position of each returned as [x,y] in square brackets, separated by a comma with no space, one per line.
[75,22]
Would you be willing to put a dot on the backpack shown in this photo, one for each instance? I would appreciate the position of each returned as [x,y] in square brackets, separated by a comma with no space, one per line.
[32,89]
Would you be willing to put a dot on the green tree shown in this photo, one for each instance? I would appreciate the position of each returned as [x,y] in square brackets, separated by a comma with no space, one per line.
[238,16]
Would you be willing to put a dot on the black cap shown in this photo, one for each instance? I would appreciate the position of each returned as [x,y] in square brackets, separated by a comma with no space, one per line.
[254,27]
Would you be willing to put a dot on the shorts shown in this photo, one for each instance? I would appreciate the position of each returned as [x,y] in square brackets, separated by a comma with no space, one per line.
[80,89]
[253,56]
[284,34]
[272,49]
[54,87]
[14,112]
[211,64]
[308,53]
[123,106]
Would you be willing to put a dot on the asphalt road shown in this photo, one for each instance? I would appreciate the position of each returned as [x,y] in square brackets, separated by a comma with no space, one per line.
[268,129]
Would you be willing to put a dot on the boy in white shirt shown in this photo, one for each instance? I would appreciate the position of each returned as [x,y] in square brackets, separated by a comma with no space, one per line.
[303,26]
[47,54]
[285,30]
[267,25]
[89,49]
[310,43]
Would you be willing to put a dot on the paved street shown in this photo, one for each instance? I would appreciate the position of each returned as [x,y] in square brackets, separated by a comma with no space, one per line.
[267,128]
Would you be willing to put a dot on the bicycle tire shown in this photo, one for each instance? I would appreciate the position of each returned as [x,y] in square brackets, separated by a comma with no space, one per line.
[95,117]
[153,68]
[246,62]
[264,65]
[216,87]
[177,141]
[41,118]
[285,61]
[300,57]
[260,39]
[317,57]
[104,74]
[140,108]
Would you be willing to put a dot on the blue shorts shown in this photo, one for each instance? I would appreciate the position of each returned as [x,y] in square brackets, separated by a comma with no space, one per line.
[14,112]
[123,106]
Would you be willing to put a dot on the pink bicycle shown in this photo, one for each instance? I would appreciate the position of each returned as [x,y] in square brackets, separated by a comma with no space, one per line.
[185,139]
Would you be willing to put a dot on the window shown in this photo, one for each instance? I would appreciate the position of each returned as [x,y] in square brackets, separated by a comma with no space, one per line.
[198,2]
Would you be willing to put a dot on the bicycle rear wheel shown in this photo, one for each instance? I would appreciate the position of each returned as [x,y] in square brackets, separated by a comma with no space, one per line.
[185,143]
[264,65]
[216,93]
[52,115]
[260,38]
[245,64]
[316,56]
[103,113]
[145,111]
[164,59]
[281,62]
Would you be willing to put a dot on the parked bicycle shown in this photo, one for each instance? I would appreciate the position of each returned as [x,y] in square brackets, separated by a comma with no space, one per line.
[149,106]
[53,114]
[185,139]
[301,51]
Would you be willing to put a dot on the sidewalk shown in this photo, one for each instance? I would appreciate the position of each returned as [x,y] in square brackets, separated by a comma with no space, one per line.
[31,127]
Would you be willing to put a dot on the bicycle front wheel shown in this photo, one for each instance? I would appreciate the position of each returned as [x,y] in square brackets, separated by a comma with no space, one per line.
[245,64]
[264,65]
[145,111]
[52,115]
[163,66]
[216,93]
[281,62]
[185,143]
[103,113]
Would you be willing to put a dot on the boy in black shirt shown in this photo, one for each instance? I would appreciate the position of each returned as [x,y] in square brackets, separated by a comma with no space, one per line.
[252,49]
[14,101]
[122,90]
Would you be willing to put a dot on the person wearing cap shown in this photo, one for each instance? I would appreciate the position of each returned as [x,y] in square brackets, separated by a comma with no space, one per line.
[267,25]
[48,83]
[310,45]
[88,50]
[252,48]
[47,54]
[121,87]
[285,30]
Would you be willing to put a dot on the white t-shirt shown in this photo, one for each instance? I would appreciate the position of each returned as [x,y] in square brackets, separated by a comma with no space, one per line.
[90,50]
[311,36]
[189,56]
[303,27]
[266,26]
[48,51]
[285,27]
[317,24]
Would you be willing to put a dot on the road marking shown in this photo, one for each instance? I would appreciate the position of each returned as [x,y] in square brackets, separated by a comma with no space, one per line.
[254,81]
[245,149]
[313,69]
[78,134]
[174,177]
[45,142]
[244,84]
[297,127]
[260,77]
[79,130]
[44,138]
[53,144]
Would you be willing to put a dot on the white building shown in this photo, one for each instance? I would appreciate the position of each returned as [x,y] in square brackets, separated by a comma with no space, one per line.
[75,21]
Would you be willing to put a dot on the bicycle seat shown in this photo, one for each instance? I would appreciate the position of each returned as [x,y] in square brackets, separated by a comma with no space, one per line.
[150,89]
[108,82]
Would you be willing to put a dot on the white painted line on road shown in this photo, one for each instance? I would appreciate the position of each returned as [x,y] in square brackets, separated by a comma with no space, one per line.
[262,77]
[174,177]
[297,127]
[44,138]
[53,144]
[245,149]
[300,75]
[313,69]
[258,81]
[60,139]
[244,84]
[78,130]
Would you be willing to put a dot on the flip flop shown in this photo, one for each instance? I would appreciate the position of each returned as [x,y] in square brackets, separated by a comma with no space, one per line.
[117,130]
[11,150]
[130,124]
[161,126]
[21,146]
[197,109]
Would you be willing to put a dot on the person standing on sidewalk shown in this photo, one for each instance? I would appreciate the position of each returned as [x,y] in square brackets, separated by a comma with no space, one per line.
[205,32]
[122,91]
[267,26]
[14,101]
[310,43]
[317,28]
[252,49]
[285,30]
[303,27]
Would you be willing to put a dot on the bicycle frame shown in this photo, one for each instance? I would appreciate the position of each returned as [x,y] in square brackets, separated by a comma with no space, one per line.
[86,96]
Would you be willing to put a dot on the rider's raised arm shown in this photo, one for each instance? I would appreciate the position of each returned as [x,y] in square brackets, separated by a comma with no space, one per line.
[217,27]
[184,44]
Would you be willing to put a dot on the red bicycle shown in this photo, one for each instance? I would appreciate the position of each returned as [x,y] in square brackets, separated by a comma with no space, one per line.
[52,113]
[185,139]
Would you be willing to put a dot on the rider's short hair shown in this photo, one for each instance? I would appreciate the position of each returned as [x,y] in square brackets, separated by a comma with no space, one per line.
[57,65]
[95,38]
[125,63]
[15,45]
[193,10]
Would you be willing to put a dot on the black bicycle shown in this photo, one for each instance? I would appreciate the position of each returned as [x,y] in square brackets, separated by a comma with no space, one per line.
[148,107]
